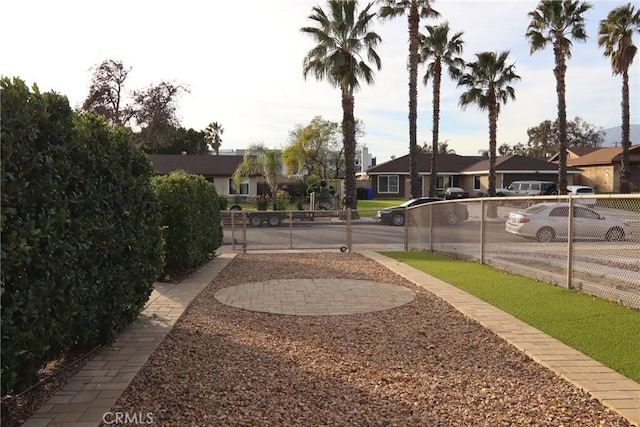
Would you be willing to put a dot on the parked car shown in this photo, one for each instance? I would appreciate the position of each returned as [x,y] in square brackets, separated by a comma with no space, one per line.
[451,213]
[527,188]
[548,221]
[451,193]
[582,190]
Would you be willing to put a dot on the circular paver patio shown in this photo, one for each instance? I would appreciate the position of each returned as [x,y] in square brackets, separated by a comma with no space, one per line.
[315,297]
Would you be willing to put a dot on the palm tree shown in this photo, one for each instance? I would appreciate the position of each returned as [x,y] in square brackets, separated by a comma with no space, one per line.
[443,51]
[415,10]
[488,80]
[615,34]
[213,135]
[342,36]
[260,160]
[557,22]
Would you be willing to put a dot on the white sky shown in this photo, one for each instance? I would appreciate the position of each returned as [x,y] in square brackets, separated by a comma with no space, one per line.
[242,61]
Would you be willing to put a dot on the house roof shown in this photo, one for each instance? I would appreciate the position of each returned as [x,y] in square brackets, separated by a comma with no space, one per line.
[605,156]
[515,163]
[574,153]
[447,163]
[200,164]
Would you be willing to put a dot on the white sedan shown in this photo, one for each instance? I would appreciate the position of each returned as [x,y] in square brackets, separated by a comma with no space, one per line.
[548,221]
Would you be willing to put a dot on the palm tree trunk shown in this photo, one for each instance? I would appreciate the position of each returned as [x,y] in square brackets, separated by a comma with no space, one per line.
[625,171]
[492,209]
[560,72]
[414,22]
[433,178]
[349,142]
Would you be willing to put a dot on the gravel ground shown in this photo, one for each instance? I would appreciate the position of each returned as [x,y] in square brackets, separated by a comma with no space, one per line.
[422,364]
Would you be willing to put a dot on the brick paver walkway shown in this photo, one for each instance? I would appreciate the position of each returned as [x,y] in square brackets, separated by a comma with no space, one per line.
[95,389]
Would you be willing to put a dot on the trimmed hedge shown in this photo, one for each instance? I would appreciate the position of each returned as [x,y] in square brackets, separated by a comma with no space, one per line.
[191,220]
[81,239]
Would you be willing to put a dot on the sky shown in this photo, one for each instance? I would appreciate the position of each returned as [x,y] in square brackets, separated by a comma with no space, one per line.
[242,63]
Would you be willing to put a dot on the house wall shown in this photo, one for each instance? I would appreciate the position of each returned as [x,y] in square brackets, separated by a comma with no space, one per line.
[604,178]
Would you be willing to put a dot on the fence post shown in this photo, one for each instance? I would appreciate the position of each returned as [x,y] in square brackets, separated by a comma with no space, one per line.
[406,230]
[570,245]
[430,228]
[290,229]
[349,229]
[233,230]
[482,231]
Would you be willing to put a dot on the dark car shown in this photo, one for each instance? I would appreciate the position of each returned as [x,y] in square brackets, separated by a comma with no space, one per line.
[452,193]
[448,213]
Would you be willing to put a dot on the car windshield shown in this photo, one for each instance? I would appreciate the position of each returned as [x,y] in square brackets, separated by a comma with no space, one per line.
[408,203]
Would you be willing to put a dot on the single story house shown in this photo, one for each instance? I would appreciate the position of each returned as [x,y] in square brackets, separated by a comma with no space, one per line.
[391,179]
[601,166]
[216,169]
[513,168]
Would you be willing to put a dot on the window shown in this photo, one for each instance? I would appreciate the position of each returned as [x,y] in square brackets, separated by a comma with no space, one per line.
[243,190]
[388,184]
[561,211]
[585,213]
[476,183]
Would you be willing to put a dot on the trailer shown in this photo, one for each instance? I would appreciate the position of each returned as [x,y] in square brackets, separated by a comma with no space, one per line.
[276,218]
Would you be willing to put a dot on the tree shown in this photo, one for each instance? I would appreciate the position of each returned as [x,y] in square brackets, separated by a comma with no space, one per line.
[169,139]
[156,105]
[442,148]
[489,80]
[544,139]
[213,135]
[443,51]
[505,149]
[415,9]
[557,22]
[615,35]
[106,93]
[260,160]
[155,112]
[341,38]
[314,148]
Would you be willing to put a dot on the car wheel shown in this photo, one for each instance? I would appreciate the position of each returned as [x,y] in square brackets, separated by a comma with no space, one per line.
[398,219]
[500,202]
[545,235]
[274,220]
[615,234]
[235,208]
[452,218]
[530,203]
[255,220]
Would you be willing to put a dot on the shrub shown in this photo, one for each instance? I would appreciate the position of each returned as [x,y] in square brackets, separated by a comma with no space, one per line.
[283,200]
[223,201]
[191,220]
[80,231]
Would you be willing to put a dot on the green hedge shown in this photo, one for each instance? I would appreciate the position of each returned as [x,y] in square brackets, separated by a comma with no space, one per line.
[191,220]
[81,239]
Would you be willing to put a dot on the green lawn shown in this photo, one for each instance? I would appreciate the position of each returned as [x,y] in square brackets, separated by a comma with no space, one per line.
[368,208]
[605,331]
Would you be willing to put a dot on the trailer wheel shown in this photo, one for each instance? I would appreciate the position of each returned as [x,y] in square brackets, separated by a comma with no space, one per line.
[255,220]
[274,220]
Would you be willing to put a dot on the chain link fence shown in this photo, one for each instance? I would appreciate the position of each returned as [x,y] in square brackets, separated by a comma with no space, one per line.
[589,243]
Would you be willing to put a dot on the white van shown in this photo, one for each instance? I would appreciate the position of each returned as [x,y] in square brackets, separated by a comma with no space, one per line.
[581,190]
